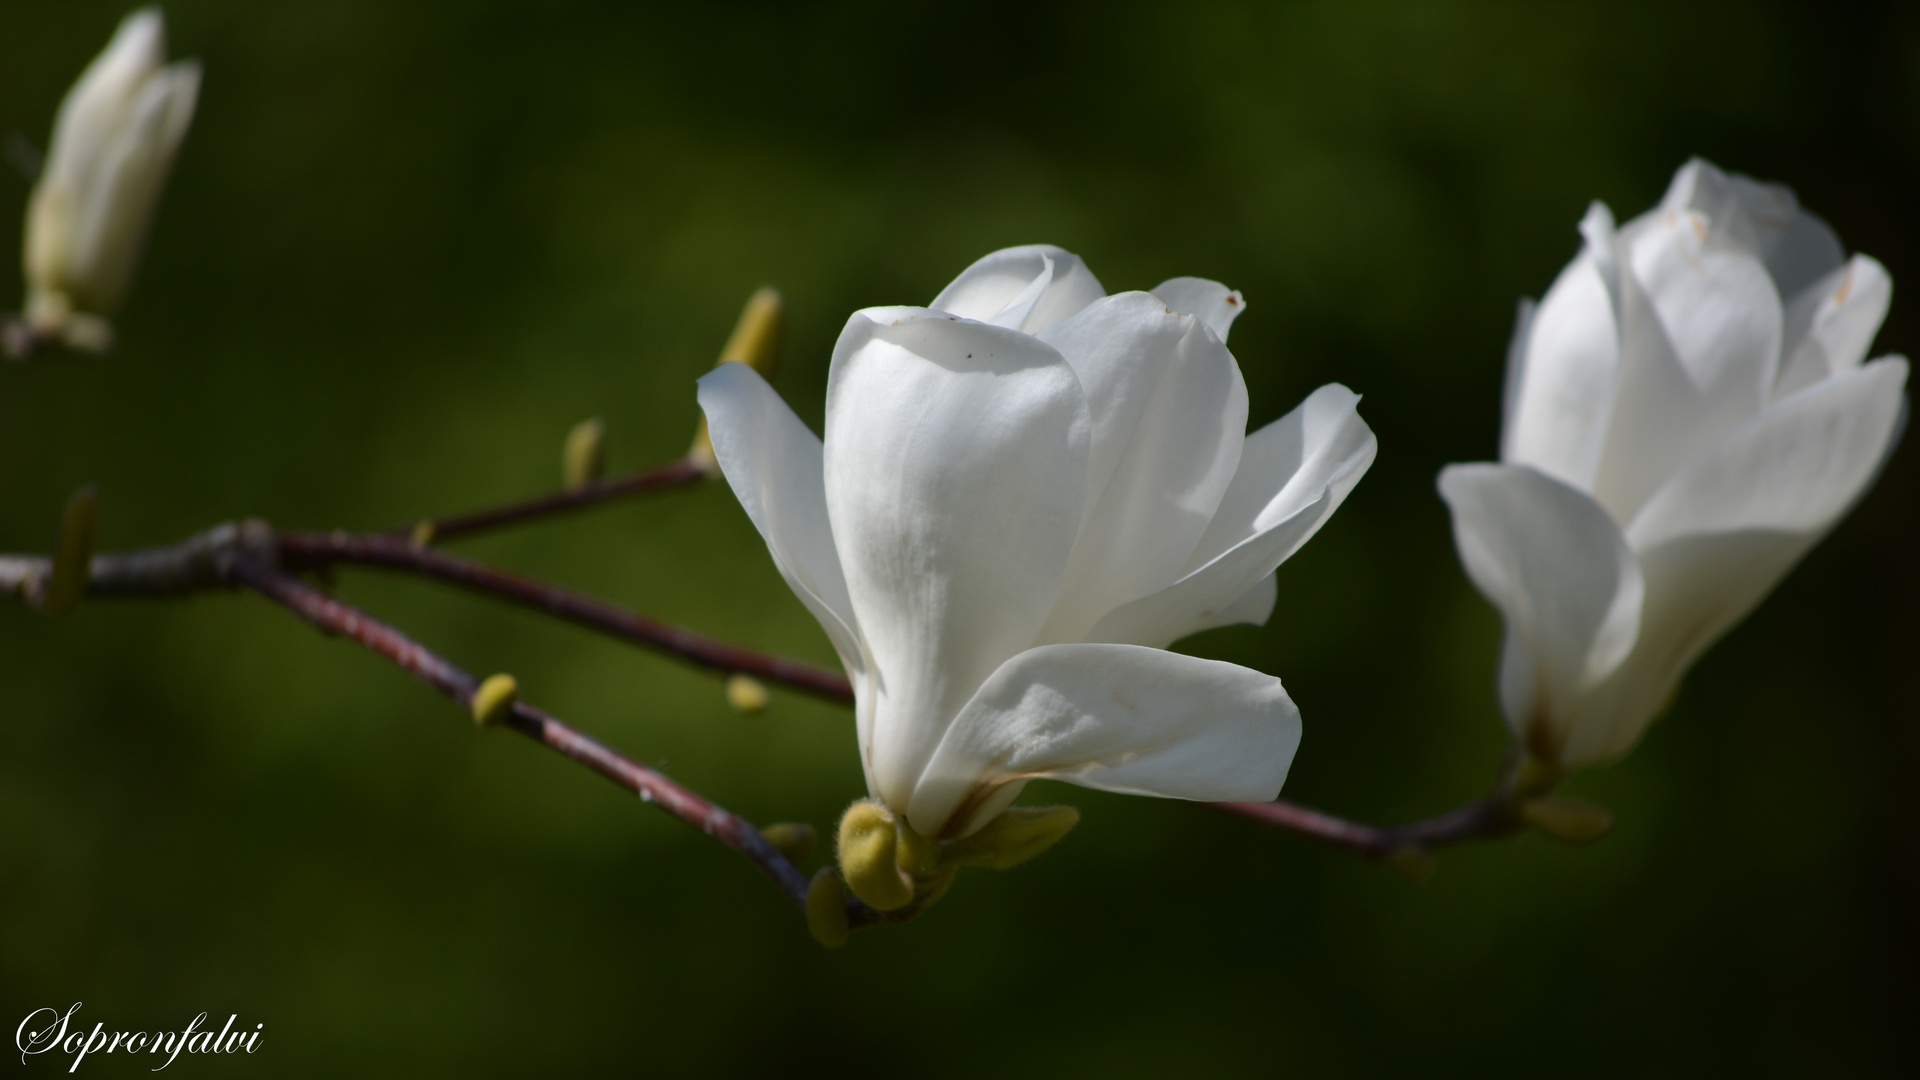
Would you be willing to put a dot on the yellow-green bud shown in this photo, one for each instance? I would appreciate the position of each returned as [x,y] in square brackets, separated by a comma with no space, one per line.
[793,840]
[493,701]
[746,694]
[1536,777]
[585,456]
[422,534]
[72,554]
[868,861]
[827,908]
[917,856]
[1567,819]
[756,342]
[1411,862]
[1018,834]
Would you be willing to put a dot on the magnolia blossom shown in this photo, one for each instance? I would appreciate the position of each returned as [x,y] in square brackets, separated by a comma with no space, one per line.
[113,144]
[1025,493]
[1687,414]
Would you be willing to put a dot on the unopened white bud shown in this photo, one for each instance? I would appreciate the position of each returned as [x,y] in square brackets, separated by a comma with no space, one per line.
[114,142]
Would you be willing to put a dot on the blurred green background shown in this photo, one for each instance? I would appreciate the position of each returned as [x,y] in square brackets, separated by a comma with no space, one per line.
[408,246]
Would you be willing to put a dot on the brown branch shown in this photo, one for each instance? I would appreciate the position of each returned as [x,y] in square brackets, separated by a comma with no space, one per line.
[316,551]
[1487,819]
[674,474]
[333,617]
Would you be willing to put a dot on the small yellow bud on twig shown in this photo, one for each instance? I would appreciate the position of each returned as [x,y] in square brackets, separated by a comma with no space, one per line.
[827,908]
[795,841]
[493,701]
[422,535]
[756,342]
[746,694]
[585,456]
[1567,820]
[72,554]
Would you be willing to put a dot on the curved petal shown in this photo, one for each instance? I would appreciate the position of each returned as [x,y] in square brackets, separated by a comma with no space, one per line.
[955,468]
[1697,588]
[125,187]
[1794,468]
[1022,288]
[773,464]
[1293,474]
[1831,324]
[1701,332]
[1516,369]
[1563,397]
[1169,412]
[98,102]
[1560,572]
[1114,717]
[1209,301]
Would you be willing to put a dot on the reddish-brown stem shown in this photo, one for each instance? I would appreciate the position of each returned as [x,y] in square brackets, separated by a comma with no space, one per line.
[333,617]
[312,551]
[678,473]
[1486,819]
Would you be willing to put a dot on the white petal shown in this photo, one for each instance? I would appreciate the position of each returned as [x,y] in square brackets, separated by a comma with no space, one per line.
[955,470]
[1798,248]
[125,187]
[1556,566]
[1702,327]
[1113,717]
[1293,474]
[1564,400]
[94,108]
[1209,301]
[1794,468]
[773,464]
[1697,587]
[1169,412]
[1831,324]
[1516,369]
[1023,288]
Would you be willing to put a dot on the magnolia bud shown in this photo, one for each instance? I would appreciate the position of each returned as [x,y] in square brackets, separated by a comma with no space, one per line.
[756,342]
[868,861]
[72,555]
[827,908]
[493,701]
[114,141]
[585,456]
[746,694]
[794,841]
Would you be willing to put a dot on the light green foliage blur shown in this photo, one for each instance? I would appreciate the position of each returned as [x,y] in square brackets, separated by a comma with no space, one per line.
[408,247]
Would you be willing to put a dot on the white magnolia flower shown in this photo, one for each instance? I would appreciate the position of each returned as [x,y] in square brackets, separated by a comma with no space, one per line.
[113,144]
[1025,493]
[1687,414]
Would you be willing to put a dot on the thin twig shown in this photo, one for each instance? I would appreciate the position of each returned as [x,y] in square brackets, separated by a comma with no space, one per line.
[333,617]
[1489,818]
[679,473]
[314,551]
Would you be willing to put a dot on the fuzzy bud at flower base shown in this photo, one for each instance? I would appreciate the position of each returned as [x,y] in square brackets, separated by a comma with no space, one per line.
[827,908]
[868,845]
[1015,836]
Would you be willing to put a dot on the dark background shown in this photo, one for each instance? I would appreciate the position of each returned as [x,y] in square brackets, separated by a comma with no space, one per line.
[408,246]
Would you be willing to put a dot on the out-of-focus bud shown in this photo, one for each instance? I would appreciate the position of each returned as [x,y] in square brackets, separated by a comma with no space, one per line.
[72,554]
[746,694]
[792,840]
[756,342]
[113,145]
[1018,834]
[493,701]
[1567,820]
[585,456]
[827,908]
